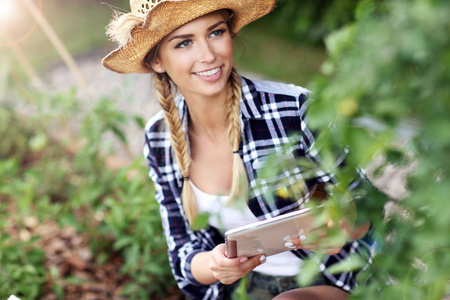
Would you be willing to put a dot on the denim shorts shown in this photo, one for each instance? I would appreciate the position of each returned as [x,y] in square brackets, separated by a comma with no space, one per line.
[264,287]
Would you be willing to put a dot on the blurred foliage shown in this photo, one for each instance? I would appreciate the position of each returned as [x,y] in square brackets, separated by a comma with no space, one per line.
[276,57]
[287,44]
[52,170]
[22,270]
[307,22]
[386,93]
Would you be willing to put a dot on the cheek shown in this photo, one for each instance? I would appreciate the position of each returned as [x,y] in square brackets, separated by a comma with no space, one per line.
[177,64]
[228,48]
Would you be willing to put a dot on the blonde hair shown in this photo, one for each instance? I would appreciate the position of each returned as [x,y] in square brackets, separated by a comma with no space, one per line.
[239,187]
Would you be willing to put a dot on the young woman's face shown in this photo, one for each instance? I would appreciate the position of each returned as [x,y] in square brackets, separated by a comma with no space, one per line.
[198,56]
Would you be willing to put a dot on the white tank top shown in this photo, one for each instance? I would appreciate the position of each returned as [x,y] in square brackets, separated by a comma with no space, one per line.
[225,218]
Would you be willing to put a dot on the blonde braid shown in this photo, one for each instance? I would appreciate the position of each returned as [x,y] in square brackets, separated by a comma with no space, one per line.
[239,186]
[179,143]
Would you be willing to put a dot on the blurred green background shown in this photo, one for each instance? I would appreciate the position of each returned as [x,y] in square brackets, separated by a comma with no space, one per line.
[78,219]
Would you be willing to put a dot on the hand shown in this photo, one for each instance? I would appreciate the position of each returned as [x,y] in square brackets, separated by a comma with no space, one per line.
[319,240]
[229,270]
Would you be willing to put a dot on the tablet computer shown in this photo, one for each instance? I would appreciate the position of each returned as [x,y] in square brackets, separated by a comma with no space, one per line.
[269,236]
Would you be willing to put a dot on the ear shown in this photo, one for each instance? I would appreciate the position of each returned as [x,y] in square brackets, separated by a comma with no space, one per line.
[157,66]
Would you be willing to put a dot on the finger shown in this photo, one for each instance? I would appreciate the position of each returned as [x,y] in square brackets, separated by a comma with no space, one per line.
[333,251]
[318,234]
[310,247]
[316,248]
[219,259]
[345,226]
[330,223]
[299,242]
[228,263]
[255,261]
[293,243]
[325,250]
[235,265]
[252,263]
[228,275]
[360,231]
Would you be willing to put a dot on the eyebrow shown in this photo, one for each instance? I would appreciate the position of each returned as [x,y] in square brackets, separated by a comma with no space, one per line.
[185,36]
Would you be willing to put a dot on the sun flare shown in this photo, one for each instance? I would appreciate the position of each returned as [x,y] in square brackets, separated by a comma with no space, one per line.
[6,10]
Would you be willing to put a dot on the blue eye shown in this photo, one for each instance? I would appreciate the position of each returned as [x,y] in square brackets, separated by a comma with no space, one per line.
[218,32]
[184,44]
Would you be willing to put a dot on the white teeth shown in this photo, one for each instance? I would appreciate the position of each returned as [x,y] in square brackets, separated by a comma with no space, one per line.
[209,73]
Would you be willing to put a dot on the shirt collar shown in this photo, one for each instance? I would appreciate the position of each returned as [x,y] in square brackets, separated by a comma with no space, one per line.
[249,98]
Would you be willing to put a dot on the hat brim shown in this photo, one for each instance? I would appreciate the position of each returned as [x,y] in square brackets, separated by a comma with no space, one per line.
[170,15]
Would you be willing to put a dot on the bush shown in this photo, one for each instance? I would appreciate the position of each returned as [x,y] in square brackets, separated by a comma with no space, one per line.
[61,179]
[386,94]
[308,21]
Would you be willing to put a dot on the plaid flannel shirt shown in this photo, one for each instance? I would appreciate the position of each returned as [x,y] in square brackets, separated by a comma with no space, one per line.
[270,113]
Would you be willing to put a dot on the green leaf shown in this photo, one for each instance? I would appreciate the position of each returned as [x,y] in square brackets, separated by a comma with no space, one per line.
[351,263]
[119,133]
[59,290]
[200,222]
[123,242]
[309,272]
[240,293]
[139,121]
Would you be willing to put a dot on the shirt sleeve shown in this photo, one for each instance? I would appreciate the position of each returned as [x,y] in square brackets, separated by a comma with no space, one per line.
[183,243]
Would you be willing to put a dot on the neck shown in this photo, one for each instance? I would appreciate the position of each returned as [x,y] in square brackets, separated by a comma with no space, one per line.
[208,118]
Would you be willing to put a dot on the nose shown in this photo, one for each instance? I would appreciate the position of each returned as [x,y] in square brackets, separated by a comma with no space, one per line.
[206,52]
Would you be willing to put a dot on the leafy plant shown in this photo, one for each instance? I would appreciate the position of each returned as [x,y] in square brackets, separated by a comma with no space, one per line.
[62,176]
[386,94]
[135,223]
[308,21]
[22,269]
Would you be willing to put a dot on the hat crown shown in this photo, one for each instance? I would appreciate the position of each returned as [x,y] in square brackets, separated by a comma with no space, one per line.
[142,7]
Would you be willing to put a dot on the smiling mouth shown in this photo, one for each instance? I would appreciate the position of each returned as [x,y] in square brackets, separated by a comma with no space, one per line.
[211,72]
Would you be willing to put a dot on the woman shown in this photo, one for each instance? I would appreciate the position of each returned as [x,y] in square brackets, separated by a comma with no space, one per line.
[206,150]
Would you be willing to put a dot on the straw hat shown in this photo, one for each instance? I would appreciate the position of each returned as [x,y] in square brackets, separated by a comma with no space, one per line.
[149,21]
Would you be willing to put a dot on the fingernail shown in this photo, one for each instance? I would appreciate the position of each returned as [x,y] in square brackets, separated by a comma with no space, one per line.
[262,259]
[288,245]
[243,260]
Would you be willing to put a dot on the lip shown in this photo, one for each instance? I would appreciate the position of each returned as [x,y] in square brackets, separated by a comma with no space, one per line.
[210,78]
